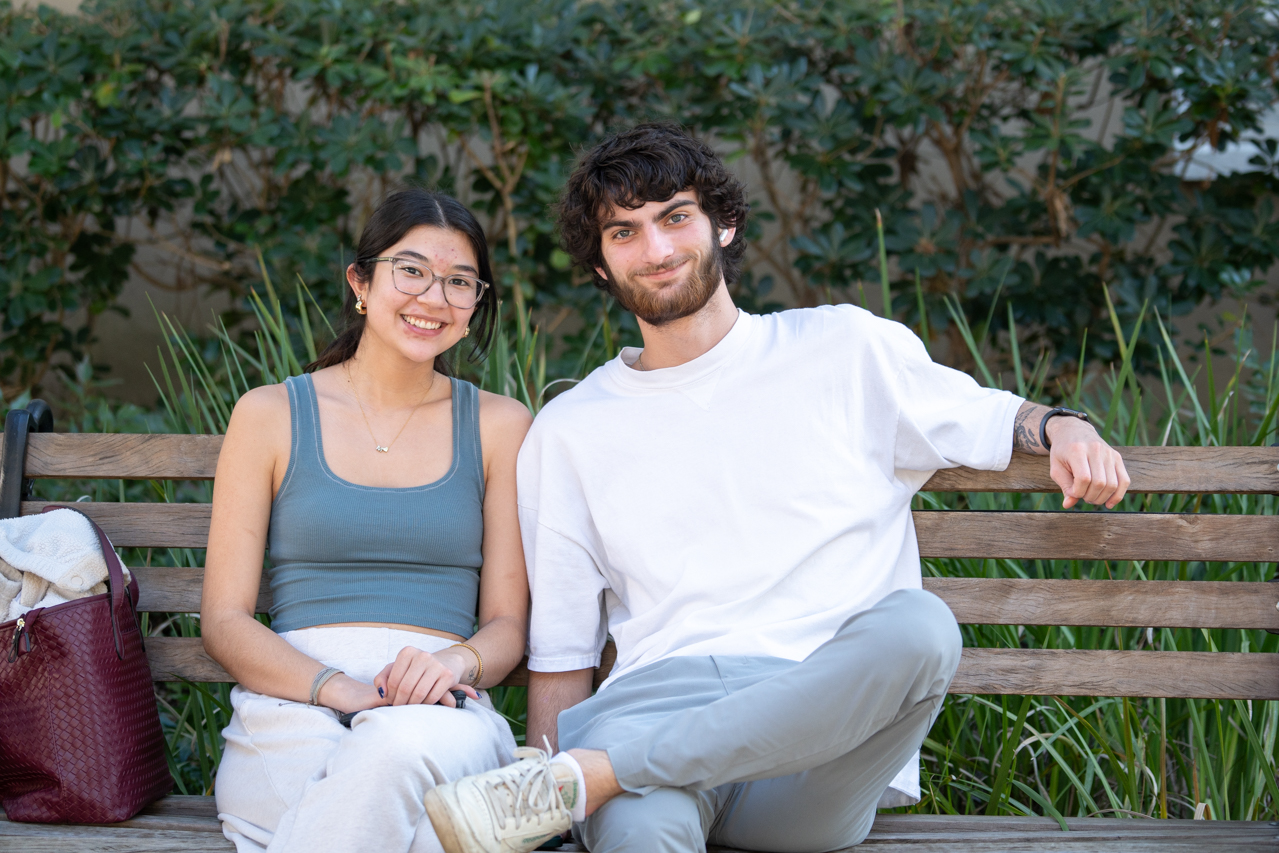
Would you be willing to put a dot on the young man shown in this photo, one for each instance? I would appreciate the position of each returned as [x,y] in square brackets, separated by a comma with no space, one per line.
[732,504]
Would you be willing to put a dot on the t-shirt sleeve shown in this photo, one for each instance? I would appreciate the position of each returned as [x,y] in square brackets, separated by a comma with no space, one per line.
[567,624]
[945,419]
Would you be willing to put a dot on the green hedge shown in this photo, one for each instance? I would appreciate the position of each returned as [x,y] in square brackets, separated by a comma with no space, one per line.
[212,132]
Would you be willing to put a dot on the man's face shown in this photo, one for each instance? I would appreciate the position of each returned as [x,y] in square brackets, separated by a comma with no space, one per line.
[662,260]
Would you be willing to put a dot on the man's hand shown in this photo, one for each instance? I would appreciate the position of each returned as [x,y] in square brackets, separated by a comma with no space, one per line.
[1086,468]
[1083,465]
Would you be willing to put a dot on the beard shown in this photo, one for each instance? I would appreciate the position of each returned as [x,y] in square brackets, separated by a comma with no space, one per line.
[675,300]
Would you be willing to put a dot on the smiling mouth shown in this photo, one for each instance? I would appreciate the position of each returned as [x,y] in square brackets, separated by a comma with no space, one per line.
[664,271]
[419,323]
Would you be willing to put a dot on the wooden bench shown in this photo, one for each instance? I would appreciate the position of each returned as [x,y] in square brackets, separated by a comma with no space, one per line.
[190,824]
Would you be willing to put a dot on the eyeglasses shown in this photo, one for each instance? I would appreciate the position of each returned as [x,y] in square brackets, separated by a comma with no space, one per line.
[413,279]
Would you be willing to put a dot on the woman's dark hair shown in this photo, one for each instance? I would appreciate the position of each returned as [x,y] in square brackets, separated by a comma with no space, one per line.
[398,214]
[649,162]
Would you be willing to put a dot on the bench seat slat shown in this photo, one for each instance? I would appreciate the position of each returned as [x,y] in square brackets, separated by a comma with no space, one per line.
[902,825]
[63,838]
[942,533]
[899,833]
[1159,470]
[974,601]
[1039,672]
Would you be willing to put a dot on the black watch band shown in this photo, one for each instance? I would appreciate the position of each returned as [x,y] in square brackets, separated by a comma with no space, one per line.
[1052,413]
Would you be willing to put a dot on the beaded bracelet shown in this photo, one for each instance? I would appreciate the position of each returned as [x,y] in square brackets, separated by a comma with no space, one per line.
[321,678]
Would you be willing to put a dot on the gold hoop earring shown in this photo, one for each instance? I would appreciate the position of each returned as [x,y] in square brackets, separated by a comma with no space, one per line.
[466,332]
[359,305]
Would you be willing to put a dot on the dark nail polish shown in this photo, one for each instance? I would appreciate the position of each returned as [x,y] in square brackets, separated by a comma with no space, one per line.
[381,692]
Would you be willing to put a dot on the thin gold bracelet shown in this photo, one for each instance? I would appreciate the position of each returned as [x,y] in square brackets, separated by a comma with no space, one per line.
[479,659]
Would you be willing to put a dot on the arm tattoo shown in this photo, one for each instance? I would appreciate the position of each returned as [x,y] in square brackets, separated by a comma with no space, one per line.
[1026,430]
[470,676]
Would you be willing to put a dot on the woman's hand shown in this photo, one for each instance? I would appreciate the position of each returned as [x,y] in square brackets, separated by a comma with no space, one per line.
[344,694]
[421,678]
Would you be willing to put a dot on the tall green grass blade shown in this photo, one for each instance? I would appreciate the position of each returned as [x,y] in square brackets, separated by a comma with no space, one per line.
[1016,352]
[1044,803]
[923,312]
[308,339]
[1127,351]
[1076,399]
[1008,761]
[887,292]
[318,309]
[961,322]
[1201,418]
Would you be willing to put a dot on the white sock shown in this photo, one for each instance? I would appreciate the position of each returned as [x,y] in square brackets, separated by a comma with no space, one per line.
[572,784]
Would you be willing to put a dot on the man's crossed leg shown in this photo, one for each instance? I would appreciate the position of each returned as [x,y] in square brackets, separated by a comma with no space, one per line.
[757,753]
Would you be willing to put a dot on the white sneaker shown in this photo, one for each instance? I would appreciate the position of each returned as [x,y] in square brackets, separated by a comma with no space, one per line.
[509,810]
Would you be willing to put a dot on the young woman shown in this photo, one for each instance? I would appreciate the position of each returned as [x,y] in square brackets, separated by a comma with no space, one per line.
[385,492]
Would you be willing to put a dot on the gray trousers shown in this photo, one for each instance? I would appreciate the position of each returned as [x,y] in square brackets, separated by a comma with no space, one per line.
[768,754]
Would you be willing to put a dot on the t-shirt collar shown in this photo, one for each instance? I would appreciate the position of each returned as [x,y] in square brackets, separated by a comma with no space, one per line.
[690,371]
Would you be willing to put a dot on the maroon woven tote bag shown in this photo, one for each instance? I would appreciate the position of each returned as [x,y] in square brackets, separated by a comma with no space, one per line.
[80,738]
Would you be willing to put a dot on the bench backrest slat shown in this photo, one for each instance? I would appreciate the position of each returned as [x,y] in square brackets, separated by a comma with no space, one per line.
[122,456]
[1110,604]
[974,601]
[1159,470]
[943,533]
[144,525]
[1039,672]
[1079,672]
[1078,535]
[1154,470]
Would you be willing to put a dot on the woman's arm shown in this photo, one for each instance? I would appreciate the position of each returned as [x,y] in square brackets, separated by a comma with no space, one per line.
[255,454]
[503,611]
[503,620]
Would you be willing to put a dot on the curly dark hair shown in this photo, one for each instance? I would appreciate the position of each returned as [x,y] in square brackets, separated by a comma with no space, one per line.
[649,162]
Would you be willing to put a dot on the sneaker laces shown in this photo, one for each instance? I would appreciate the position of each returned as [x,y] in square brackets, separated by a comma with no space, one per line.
[523,793]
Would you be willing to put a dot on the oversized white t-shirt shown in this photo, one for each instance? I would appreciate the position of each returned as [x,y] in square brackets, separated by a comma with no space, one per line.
[747,502]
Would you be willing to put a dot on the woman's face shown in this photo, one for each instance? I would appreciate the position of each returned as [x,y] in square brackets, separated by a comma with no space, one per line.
[418,327]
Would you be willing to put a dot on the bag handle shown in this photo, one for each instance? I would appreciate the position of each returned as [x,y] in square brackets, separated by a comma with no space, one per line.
[115,575]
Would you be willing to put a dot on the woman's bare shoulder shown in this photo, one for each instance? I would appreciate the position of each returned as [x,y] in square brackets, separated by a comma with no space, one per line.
[258,436]
[261,406]
[504,413]
[260,426]
[503,422]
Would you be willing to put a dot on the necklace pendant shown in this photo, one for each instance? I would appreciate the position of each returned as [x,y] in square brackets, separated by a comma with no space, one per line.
[381,449]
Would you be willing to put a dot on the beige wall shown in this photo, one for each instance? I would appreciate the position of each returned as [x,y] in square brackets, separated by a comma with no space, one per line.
[60,5]
[128,344]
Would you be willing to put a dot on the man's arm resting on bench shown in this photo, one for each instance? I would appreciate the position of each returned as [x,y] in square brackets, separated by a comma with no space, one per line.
[1083,465]
[548,694]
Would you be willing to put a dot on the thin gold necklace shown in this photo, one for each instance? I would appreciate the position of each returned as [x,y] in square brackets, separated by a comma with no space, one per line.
[376,445]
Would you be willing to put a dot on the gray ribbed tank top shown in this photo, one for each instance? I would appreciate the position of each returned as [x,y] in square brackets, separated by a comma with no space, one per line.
[342,552]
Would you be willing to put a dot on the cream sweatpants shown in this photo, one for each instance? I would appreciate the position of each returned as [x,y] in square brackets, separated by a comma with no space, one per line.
[293,778]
